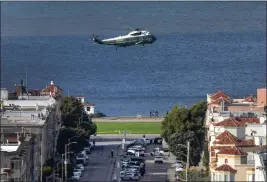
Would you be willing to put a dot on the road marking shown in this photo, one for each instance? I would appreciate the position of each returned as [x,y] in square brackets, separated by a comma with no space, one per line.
[159,173]
[95,167]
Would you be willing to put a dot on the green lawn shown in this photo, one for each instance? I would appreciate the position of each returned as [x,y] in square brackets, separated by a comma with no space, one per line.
[131,127]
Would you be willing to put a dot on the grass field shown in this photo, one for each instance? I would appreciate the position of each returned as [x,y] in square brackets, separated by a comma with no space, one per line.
[131,127]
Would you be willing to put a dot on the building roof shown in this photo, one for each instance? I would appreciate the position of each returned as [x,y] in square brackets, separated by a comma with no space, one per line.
[218,147]
[226,138]
[51,87]
[220,99]
[219,94]
[9,148]
[248,120]
[226,167]
[249,99]
[246,143]
[230,122]
[232,151]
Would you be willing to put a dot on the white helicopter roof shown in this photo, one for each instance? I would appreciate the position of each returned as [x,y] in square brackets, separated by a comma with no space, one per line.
[132,33]
[142,32]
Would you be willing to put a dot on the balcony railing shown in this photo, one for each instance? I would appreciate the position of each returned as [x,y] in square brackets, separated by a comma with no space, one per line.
[250,161]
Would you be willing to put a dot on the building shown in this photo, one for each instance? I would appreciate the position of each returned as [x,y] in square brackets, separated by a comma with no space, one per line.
[235,133]
[89,108]
[36,119]
[221,102]
[260,167]
[261,96]
[16,159]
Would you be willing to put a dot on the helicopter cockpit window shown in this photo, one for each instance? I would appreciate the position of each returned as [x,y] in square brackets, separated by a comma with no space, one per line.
[137,33]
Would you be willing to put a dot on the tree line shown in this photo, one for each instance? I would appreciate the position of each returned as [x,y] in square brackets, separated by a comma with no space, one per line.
[183,124]
[76,126]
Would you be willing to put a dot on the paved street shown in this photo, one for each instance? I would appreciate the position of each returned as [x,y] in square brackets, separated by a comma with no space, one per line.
[157,172]
[100,164]
[102,168]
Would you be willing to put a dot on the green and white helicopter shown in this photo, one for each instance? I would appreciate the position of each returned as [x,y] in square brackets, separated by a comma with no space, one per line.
[134,37]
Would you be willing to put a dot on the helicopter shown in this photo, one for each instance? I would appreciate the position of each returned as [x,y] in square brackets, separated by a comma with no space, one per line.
[134,37]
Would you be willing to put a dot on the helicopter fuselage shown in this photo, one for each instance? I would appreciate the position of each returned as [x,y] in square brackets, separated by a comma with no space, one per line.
[133,38]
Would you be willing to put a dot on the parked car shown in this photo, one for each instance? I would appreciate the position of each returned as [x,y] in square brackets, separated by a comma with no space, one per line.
[77,172]
[158,140]
[157,151]
[79,168]
[76,177]
[130,176]
[158,159]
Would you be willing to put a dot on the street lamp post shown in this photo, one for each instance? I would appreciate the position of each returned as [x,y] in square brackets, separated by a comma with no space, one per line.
[52,175]
[187,158]
[69,140]
[65,162]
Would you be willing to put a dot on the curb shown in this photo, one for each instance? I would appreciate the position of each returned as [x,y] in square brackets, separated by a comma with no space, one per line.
[113,166]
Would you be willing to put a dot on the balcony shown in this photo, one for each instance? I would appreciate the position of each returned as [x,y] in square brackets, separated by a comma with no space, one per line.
[16,173]
[251,161]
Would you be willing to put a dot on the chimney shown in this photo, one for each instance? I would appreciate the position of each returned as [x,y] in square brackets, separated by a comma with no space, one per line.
[52,83]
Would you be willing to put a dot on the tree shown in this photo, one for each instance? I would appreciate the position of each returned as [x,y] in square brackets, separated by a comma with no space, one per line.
[181,151]
[205,159]
[77,135]
[47,171]
[77,126]
[69,171]
[182,124]
[72,110]
[195,175]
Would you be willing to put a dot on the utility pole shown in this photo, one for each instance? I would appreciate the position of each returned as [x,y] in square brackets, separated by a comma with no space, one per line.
[187,162]
[65,162]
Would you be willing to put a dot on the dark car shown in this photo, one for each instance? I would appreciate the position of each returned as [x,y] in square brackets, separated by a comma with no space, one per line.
[158,140]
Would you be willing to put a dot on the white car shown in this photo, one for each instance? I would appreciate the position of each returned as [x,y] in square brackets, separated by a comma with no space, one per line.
[87,149]
[80,166]
[131,151]
[179,169]
[158,159]
[157,151]
[76,177]
[130,176]
[77,172]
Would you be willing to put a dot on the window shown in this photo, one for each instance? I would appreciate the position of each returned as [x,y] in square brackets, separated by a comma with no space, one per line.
[220,177]
[226,177]
[232,177]
[213,177]
[225,161]
[88,108]
[134,34]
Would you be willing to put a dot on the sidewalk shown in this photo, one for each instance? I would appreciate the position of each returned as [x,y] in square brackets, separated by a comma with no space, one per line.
[113,166]
[171,170]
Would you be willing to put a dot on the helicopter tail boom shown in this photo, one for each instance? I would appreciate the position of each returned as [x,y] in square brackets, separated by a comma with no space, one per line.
[96,40]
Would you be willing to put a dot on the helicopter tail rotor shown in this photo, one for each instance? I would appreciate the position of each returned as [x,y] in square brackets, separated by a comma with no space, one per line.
[94,38]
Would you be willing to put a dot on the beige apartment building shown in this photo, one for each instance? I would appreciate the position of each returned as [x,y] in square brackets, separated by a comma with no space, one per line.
[36,118]
[236,131]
